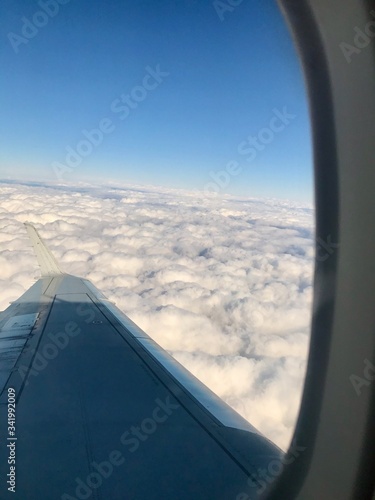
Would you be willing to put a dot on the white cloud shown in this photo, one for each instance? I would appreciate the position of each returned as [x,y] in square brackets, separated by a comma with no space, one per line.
[224,284]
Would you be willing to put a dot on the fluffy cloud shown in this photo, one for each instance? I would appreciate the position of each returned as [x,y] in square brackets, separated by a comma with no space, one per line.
[224,284]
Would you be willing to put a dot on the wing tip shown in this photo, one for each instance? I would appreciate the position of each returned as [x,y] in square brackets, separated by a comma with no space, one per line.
[47,262]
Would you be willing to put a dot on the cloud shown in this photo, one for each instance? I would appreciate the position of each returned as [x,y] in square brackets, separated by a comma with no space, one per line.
[223,283]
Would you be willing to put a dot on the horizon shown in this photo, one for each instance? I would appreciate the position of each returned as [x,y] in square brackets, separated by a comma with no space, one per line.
[83,186]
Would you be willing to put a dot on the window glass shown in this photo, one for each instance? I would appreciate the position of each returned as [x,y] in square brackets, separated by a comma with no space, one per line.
[163,151]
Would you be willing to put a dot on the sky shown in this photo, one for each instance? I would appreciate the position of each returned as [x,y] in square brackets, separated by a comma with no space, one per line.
[184,94]
[224,283]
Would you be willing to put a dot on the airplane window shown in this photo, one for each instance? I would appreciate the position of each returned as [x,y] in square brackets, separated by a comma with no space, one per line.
[163,151]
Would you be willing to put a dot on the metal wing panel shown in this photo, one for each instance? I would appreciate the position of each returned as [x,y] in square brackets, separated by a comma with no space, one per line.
[90,393]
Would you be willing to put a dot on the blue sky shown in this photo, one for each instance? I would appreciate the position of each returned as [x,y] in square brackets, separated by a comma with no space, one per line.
[222,79]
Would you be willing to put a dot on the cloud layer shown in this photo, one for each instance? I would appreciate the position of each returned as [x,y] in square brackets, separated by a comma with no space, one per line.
[224,284]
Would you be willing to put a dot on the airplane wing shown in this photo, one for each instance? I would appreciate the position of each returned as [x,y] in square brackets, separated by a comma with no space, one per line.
[92,407]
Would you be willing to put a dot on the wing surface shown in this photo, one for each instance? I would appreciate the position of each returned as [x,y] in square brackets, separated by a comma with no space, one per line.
[103,412]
